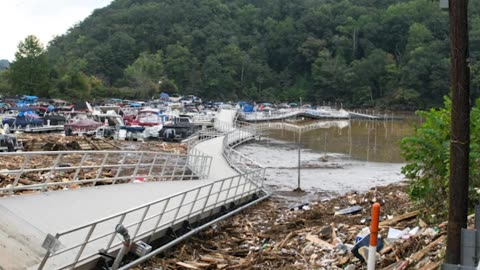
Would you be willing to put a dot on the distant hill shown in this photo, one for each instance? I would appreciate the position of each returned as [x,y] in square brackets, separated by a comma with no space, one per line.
[4,64]
[361,53]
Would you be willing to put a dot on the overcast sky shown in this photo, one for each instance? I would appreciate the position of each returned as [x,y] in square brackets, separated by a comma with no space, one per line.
[42,18]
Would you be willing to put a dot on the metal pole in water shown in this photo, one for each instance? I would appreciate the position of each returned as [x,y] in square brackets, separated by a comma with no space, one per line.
[299,158]
[299,164]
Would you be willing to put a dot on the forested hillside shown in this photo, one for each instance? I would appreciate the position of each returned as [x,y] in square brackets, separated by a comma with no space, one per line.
[361,53]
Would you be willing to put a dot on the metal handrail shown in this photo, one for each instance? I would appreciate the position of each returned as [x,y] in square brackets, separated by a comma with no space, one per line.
[218,193]
[174,209]
[85,167]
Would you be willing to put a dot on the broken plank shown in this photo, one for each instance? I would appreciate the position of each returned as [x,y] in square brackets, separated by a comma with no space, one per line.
[186,265]
[319,242]
[397,219]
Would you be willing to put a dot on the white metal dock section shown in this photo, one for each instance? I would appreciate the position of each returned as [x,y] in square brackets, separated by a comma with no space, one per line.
[213,182]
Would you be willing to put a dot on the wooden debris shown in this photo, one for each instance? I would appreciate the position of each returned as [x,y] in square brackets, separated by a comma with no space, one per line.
[399,218]
[270,236]
[319,242]
[186,265]
[284,241]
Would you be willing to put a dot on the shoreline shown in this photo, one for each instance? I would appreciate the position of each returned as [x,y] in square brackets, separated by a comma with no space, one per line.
[273,236]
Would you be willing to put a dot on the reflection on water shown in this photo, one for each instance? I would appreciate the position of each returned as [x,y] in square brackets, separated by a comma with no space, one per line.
[365,140]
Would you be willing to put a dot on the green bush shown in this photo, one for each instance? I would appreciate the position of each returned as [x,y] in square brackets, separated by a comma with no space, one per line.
[428,156]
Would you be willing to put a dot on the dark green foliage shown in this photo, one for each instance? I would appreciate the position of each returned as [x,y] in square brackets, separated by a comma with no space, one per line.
[28,74]
[428,154]
[361,53]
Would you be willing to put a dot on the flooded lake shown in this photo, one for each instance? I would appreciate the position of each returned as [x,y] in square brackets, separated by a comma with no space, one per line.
[336,156]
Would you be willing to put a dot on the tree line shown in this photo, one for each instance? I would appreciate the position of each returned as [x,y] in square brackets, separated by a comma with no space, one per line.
[360,53]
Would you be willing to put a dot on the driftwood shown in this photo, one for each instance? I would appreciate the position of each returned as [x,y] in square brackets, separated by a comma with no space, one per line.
[415,257]
[268,236]
[399,218]
[319,242]
[284,241]
[186,265]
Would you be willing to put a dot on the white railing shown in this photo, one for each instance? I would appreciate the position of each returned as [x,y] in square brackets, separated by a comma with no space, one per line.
[67,169]
[203,118]
[322,112]
[201,136]
[271,115]
[145,221]
[148,221]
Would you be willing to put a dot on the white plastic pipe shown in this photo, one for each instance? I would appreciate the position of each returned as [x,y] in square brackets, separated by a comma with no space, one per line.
[372,250]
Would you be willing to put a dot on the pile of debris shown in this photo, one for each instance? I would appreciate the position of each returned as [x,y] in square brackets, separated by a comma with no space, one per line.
[323,235]
[57,142]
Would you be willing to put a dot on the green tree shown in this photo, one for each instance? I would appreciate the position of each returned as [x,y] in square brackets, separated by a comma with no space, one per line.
[428,154]
[179,66]
[5,87]
[145,74]
[29,73]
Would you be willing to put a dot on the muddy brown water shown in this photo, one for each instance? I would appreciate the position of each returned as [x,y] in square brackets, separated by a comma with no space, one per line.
[336,156]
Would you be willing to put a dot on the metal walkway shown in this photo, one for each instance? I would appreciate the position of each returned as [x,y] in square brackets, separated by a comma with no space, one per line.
[321,113]
[83,220]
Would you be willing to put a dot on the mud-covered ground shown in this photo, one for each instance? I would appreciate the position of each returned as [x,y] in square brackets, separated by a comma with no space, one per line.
[323,175]
[272,236]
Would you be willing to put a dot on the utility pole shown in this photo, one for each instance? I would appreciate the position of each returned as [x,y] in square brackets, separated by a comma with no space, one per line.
[459,134]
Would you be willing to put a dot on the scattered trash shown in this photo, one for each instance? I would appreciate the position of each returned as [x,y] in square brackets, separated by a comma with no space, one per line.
[273,236]
[349,210]
[304,206]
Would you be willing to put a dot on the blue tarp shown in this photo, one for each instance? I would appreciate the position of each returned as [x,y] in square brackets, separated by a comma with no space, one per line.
[248,108]
[164,96]
[30,98]
[23,109]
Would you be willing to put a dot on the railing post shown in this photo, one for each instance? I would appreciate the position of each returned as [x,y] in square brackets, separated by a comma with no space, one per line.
[114,233]
[153,165]
[178,209]
[184,168]
[90,232]
[135,171]
[122,162]
[236,188]
[206,201]
[164,166]
[160,218]
[227,190]
[19,174]
[77,171]
[193,203]
[52,170]
[174,167]
[141,222]
[99,170]
[210,160]
[245,180]
[193,165]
